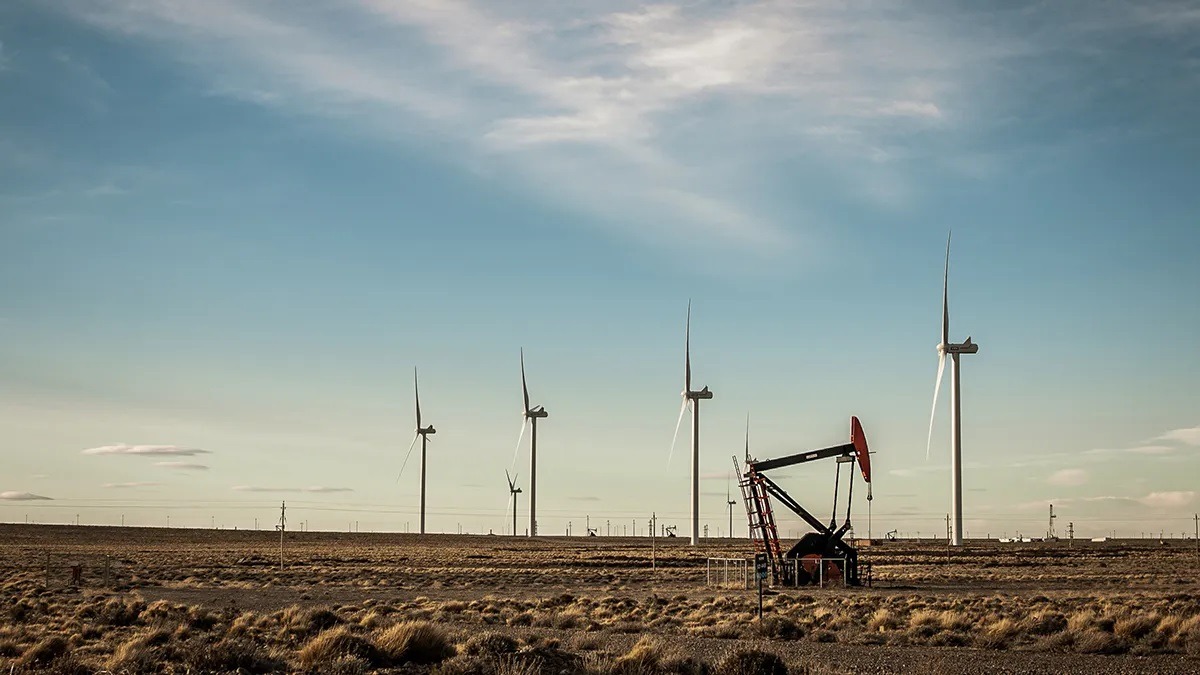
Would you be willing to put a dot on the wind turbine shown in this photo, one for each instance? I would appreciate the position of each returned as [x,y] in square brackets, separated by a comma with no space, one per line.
[513,491]
[954,350]
[729,503]
[423,433]
[694,398]
[530,416]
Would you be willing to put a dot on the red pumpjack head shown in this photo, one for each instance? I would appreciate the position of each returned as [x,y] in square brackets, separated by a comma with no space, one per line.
[859,440]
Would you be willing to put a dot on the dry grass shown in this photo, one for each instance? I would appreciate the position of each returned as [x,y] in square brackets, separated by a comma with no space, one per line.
[417,642]
[337,609]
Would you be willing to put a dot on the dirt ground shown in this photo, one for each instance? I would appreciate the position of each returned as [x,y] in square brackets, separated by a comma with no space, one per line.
[930,609]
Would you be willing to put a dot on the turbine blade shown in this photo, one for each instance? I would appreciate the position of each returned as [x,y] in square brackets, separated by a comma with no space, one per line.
[687,351]
[520,437]
[747,437]
[407,455]
[510,480]
[937,387]
[417,397]
[524,386]
[945,294]
[682,410]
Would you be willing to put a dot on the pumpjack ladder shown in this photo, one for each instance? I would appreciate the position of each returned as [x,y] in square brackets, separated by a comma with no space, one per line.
[763,531]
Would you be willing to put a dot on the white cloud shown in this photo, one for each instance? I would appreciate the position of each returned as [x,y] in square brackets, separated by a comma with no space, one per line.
[583,103]
[145,450]
[136,484]
[185,466]
[1168,500]
[1068,477]
[21,496]
[318,489]
[1151,450]
[1188,436]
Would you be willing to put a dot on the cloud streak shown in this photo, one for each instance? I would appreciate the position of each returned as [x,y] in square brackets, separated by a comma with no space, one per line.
[182,466]
[145,450]
[314,489]
[22,496]
[135,484]
[1068,477]
[1187,436]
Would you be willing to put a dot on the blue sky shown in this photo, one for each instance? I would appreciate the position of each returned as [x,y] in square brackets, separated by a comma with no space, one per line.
[235,227]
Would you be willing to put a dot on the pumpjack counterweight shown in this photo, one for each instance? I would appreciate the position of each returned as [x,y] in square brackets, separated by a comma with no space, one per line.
[822,553]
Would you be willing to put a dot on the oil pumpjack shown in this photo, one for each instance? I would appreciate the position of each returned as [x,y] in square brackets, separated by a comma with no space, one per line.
[820,555]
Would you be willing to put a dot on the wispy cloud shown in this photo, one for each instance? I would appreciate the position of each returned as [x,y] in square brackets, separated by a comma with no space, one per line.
[1159,501]
[146,450]
[21,496]
[1068,477]
[1168,500]
[585,102]
[318,489]
[183,466]
[136,484]
[1187,436]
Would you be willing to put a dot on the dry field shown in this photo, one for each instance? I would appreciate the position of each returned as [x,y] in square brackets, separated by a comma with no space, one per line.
[204,601]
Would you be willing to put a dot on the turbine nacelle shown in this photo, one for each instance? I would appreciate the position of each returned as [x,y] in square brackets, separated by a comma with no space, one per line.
[967,347]
[538,412]
[429,430]
[704,394]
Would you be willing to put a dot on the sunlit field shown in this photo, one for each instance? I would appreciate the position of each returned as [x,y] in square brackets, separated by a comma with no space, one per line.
[91,599]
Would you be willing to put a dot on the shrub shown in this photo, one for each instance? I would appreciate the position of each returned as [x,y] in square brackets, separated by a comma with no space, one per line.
[1044,623]
[998,635]
[643,657]
[309,622]
[883,619]
[752,662]
[233,654]
[1094,641]
[490,645]
[780,627]
[44,652]
[1135,627]
[329,646]
[415,642]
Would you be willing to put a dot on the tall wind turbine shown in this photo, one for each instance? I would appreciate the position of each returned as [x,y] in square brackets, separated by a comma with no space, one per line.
[513,491]
[694,398]
[423,433]
[531,415]
[954,350]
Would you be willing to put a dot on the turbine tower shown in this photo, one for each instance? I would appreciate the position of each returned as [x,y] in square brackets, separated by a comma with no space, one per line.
[423,433]
[530,417]
[953,350]
[513,491]
[694,398]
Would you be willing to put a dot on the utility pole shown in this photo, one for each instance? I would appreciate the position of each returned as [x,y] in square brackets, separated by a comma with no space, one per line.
[653,541]
[1196,522]
[282,527]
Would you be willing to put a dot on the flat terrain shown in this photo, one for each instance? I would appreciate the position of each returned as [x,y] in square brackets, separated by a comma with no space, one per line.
[147,596]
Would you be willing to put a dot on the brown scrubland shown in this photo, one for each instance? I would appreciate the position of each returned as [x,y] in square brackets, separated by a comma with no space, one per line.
[215,601]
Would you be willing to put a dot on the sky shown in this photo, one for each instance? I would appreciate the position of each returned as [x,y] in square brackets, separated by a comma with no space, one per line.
[230,230]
